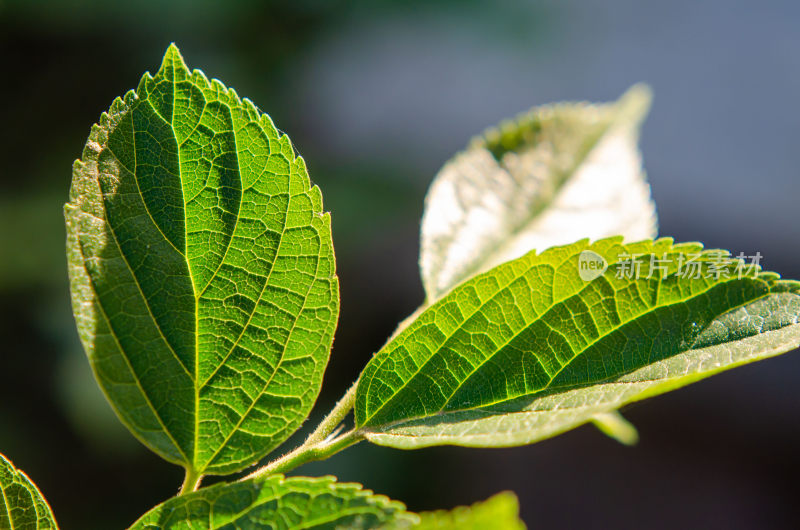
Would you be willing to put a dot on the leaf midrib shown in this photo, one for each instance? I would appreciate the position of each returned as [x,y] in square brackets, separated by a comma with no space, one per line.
[466,319]
[196,441]
[548,389]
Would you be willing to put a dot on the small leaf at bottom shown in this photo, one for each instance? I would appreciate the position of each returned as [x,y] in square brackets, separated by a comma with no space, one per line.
[276,503]
[22,506]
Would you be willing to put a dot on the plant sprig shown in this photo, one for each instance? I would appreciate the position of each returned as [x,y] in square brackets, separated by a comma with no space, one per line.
[204,288]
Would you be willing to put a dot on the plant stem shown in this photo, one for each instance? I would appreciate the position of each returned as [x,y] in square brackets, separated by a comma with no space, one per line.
[316,446]
[334,417]
[191,482]
[307,453]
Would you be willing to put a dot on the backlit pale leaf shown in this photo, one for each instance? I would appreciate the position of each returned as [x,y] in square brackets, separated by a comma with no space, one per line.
[543,343]
[202,271]
[552,176]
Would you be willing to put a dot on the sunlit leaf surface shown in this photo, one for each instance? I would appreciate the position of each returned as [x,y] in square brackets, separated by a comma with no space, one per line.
[544,343]
[202,271]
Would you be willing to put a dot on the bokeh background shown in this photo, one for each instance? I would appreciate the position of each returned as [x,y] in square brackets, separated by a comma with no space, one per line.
[376,96]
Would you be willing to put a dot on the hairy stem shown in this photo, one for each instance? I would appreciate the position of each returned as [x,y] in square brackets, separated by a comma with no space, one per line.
[191,482]
[317,446]
[334,417]
[307,453]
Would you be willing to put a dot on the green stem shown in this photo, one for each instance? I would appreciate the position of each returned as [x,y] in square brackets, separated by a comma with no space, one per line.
[317,446]
[307,453]
[334,417]
[191,482]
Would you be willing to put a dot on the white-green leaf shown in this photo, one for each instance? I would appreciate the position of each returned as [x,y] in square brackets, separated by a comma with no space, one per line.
[531,349]
[276,503]
[22,506]
[550,177]
[202,271]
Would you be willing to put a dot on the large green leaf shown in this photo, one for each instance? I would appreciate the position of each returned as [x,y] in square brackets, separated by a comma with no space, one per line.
[537,346]
[549,177]
[499,512]
[276,503]
[202,271]
[22,506]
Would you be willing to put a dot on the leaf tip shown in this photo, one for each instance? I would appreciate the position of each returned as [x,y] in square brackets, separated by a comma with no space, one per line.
[173,60]
[635,102]
[173,51]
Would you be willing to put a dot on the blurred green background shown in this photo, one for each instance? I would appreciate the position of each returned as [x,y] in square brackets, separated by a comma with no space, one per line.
[376,96]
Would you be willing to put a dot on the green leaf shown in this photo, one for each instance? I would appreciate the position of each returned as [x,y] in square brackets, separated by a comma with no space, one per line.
[531,349]
[202,271]
[551,176]
[499,512]
[22,506]
[276,503]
